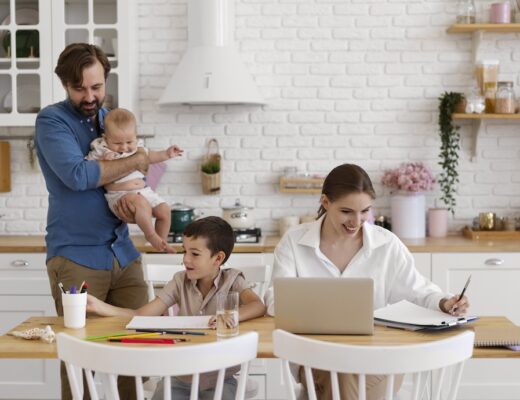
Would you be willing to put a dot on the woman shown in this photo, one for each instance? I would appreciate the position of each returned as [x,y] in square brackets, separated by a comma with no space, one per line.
[340,244]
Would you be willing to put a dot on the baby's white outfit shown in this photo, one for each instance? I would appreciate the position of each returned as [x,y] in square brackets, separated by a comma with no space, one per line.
[100,151]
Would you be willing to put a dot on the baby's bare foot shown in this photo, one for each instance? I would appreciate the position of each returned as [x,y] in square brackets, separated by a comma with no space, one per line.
[159,243]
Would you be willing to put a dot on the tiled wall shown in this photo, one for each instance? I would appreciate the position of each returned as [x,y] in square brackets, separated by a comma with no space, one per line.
[345,81]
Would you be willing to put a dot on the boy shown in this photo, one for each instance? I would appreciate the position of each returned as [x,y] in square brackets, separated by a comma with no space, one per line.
[120,141]
[208,243]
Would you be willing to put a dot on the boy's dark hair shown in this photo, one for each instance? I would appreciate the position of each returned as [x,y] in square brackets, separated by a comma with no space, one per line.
[75,58]
[217,232]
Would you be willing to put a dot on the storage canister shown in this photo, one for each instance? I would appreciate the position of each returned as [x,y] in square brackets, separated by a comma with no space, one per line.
[505,98]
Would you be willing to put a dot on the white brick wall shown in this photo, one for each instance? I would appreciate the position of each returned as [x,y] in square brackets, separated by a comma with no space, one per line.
[345,80]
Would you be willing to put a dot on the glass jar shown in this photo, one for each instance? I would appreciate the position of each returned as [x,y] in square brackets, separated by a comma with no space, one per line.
[505,98]
[466,12]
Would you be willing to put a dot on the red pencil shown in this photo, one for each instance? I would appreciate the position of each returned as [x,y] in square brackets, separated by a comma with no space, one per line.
[147,340]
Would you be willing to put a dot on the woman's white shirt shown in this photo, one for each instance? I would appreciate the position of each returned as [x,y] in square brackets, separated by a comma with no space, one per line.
[383,257]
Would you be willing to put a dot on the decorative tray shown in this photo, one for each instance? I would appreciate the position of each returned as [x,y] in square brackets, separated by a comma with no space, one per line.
[491,235]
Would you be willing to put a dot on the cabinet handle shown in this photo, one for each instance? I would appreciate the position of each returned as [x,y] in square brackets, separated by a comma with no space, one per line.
[20,263]
[494,261]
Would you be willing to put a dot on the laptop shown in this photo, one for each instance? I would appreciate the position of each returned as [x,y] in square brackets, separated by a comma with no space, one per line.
[324,305]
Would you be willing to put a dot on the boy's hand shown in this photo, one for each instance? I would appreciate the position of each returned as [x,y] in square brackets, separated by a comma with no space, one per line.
[174,151]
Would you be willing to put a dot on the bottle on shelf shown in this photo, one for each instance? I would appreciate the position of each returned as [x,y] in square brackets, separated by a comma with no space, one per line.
[466,12]
[505,99]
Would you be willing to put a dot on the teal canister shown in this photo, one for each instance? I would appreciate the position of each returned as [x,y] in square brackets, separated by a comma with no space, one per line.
[182,215]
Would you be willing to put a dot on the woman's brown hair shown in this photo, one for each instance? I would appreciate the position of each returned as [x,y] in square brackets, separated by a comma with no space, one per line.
[343,180]
[75,58]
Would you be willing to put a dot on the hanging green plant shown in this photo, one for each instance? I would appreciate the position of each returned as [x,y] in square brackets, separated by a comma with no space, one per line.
[450,146]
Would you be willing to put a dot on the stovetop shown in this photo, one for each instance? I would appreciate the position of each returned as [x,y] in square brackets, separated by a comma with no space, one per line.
[251,235]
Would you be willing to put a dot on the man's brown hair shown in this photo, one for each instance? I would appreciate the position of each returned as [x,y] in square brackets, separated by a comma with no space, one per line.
[75,58]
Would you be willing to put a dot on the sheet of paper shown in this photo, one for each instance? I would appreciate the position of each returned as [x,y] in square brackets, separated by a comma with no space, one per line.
[409,313]
[199,322]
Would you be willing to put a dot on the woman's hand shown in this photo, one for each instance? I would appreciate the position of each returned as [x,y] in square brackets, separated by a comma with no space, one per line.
[212,323]
[93,304]
[454,306]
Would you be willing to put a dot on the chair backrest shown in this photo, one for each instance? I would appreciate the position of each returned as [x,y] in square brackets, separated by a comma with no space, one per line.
[110,361]
[417,359]
[257,275]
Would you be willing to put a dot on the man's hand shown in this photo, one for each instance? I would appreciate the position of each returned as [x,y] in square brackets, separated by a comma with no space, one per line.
[174,151]
[125,210]
[142,160]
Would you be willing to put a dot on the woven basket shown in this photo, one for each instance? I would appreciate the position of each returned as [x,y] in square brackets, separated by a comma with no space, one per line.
[211,182]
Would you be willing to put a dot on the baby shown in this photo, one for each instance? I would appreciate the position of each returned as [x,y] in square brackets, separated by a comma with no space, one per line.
[120,141]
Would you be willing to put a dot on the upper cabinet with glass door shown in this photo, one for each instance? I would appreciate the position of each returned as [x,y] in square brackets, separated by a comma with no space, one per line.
[109,24]
[25,73]
[40,30]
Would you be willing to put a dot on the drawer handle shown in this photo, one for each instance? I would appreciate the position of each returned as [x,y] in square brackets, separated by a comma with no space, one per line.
[20,263]
[494,261]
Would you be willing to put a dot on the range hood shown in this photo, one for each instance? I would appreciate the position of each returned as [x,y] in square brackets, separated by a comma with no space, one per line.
[211,71]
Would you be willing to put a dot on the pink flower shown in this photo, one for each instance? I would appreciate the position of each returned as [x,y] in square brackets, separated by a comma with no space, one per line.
[411,177]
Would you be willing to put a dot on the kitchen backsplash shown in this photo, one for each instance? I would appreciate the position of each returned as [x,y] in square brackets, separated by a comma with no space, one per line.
[344,80]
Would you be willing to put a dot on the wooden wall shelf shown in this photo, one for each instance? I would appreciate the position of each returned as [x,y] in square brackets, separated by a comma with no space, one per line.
[470,28]
[302,185]
[486,116]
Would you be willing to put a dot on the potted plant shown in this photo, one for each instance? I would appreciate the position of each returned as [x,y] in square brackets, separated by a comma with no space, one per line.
[408,182]
[210,169]
[450,146]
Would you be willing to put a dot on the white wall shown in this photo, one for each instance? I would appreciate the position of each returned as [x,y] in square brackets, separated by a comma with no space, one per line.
[345,81]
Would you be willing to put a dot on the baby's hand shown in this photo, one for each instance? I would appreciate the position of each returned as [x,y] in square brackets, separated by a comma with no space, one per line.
[174,151]
[212,323]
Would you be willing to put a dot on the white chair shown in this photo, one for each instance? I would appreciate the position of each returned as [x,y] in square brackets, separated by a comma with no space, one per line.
[111,361]
[418,359]
[257,275]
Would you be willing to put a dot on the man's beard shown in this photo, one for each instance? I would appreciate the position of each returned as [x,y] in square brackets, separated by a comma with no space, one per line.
[90,112]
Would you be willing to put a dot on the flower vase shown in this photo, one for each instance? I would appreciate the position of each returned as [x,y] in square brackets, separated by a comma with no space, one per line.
[408,212]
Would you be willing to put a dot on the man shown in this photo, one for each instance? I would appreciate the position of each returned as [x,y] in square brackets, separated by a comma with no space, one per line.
[85,241]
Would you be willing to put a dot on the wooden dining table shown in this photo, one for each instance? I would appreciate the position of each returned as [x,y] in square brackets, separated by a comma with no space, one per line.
[18,348]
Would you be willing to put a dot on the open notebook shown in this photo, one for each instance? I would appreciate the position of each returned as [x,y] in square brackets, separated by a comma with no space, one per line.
[406,315]
[486,336]
[198,322]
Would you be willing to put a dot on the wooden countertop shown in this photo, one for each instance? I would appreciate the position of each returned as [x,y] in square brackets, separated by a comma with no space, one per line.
[13,347]
[450,244]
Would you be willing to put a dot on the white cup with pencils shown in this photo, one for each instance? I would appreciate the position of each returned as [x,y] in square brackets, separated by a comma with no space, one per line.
[74,307]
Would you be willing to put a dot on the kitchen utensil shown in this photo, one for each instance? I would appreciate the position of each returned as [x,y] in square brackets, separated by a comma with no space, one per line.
[182,216]
[239,216]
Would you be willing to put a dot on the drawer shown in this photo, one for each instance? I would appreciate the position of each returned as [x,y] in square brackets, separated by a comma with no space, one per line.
[477,260]
[22,261]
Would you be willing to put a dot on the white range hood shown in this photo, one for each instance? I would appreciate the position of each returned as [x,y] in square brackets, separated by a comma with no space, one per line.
[211,71]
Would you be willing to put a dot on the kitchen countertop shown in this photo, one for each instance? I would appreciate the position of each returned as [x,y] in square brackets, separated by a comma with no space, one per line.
[450,244]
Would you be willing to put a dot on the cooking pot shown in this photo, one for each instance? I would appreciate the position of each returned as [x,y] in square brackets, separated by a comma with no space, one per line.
[182,216]
[239,216]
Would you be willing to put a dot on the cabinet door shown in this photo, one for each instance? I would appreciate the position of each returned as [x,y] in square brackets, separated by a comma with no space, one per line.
[492,291]
[24,293]
[25,74]
[110,24]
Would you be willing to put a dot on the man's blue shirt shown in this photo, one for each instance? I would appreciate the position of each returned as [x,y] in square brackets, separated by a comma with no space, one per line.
[80,226]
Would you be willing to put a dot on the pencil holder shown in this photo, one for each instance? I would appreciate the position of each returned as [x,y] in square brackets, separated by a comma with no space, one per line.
[74,309]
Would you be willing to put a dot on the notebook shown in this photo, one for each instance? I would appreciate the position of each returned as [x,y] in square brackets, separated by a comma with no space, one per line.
[486,336]
[406,315]
[324,305]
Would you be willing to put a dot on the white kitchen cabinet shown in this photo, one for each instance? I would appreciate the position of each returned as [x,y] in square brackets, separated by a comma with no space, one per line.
[25,292]
[27,77]
[493,291]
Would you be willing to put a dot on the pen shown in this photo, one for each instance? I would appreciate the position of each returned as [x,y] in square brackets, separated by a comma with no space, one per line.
[81,287]
[73,290]
[148,341]
[60,285]
[135,335]
[85,288]
[103,337]
[173,332]
[465,287]
[461,293]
